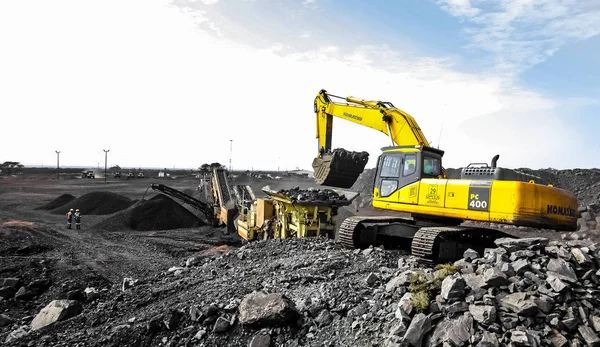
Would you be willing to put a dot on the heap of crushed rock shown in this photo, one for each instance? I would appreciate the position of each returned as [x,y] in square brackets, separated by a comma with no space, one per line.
[526,292]
[157,213]
[311,292]
[58,202]
[312,195]
[96,203]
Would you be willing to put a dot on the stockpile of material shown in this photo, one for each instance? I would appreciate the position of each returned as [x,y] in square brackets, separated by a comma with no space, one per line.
[158,213]
[527,292]
[58,202]
[96,203]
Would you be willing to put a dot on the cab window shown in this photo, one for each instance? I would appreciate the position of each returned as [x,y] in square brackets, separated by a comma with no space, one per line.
[410,165]
[391,166]
[388,187]
[431,166]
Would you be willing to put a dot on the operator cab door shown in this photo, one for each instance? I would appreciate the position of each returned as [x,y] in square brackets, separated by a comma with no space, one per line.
[397,170]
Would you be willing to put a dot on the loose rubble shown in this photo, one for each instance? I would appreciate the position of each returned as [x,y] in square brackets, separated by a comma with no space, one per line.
[312,195]
[311,292]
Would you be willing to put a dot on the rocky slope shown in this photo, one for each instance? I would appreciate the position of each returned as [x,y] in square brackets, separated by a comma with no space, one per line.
[528,292]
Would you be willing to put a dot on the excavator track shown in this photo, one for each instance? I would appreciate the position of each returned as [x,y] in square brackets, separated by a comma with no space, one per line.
[351,227]
[446,244]
[437,244]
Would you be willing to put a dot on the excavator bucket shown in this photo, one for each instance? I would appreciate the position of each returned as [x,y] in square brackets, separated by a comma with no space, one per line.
[340,168]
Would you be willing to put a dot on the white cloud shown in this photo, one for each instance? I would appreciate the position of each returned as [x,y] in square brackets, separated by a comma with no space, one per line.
[160,89]
[522,33]
[459,7]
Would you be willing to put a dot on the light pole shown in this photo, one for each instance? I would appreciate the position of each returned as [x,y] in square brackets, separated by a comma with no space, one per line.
[105,161]
[230,153]
[57,164]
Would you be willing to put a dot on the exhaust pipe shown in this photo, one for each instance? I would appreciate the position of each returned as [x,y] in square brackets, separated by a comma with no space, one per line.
[495,160]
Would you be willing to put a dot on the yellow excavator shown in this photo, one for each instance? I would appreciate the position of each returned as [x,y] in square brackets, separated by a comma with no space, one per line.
[410,178]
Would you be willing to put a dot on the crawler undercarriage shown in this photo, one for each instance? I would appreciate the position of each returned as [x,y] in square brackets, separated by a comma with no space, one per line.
[430,242]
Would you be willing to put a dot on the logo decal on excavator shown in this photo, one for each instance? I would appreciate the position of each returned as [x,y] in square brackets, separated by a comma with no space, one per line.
[349,115]
[560,210]
[433,197]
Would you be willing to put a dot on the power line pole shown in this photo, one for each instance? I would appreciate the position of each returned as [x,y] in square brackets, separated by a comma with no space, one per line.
[57,164]
[230,153]
[105,161]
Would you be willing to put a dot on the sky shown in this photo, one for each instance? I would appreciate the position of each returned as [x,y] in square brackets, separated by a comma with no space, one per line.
[180,83]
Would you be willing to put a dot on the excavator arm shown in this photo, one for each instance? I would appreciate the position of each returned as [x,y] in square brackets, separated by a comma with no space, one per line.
[341,168]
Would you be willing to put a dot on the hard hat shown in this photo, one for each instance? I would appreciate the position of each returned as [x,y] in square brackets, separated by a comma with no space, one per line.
[71,210]
[77,210]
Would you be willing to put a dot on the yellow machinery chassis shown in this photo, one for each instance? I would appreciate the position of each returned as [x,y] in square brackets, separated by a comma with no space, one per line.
[293,218]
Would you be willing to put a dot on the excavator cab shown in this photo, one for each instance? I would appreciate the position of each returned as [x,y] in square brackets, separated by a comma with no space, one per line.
[400,166]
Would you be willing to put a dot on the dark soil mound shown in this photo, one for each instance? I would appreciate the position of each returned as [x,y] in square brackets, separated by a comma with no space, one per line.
[58,202]
[96,203]
[364,182]
[158,213]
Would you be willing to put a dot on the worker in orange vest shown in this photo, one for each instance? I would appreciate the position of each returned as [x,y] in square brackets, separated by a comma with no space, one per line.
[69,218]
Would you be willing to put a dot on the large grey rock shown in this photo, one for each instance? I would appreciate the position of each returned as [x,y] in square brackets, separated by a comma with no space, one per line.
[324,318]
[587,216]
[474,281]
[193,261]
[519,338]
[405,303]
[580,257]
[521,265]
[10,282]
[493,277]
[484,314]
[454,331]
[590,337]
[512,245]
[520,304]
[259,309]
[402,280]
[544,303]
[453,288]
[221,325]
[558,340]
[26,293]
[595,320]
[419,326]
[562,270]
[470,254]
[260,340]
[556,283]
[398,329]
[55,311]
[16,334]
[372,278]
[488,339]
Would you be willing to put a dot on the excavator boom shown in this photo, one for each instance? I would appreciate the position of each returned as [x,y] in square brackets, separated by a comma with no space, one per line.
[341,168]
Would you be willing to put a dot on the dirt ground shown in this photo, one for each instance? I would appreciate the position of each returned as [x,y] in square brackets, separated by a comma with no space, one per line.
[36,246]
